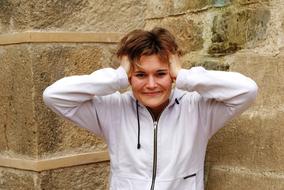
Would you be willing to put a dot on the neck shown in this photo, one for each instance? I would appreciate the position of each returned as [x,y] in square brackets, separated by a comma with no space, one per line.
[156,112]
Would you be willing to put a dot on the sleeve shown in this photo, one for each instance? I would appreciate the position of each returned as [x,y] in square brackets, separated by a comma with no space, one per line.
[81,98]
[224,95]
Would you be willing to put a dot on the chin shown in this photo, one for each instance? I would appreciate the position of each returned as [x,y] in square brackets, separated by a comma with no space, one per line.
[153,104]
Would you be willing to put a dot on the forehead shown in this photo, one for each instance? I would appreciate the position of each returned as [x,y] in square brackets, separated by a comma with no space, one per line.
[150,62]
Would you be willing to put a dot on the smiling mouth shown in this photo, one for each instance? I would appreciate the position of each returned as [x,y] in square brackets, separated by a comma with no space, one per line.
[152,93]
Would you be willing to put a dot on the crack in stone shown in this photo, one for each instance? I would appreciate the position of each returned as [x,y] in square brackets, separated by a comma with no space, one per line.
[6,137]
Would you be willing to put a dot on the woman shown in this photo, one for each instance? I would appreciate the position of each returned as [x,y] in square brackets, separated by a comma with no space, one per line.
[156,135]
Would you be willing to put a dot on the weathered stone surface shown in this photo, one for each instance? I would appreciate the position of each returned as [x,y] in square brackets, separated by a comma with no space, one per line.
[158,9]
[25,15]
[211,64]
[75,15]
[247,154]
[250,141]
[11,179]
[198,59]
[221,178]
[245,2]
[18,131]
[187,33]
[181,6]
[255,140]
[221,3]
[50,63]
[267,71]
[92,176]
[234,30]
[109,16]
[53,14]
[282,32]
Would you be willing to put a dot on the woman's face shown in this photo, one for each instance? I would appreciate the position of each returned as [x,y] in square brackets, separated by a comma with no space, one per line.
[151,82]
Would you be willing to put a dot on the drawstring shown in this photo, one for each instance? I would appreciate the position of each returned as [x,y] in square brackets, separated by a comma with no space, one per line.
[138,120]
[176,100]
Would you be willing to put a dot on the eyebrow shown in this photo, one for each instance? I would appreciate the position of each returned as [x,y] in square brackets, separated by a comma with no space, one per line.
[139,71]
[162,70]
[159,70]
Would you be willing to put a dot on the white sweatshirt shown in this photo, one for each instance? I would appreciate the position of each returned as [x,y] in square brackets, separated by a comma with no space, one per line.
[173,148]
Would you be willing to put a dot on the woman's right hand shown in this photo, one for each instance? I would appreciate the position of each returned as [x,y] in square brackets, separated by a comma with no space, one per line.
[125,64]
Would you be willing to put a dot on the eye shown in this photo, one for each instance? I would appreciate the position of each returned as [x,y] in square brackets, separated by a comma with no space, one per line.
[161,74]
[140,75]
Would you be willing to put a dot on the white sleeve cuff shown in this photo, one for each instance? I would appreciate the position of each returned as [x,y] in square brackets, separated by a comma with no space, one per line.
[181,79]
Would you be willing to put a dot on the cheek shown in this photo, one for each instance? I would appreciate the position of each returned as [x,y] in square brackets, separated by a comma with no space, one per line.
[167,83]
[136,84]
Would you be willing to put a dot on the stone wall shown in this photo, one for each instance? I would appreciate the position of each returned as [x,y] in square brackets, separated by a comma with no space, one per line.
[42,41]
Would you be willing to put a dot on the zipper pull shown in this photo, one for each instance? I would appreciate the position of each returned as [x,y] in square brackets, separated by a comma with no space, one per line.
[155,124]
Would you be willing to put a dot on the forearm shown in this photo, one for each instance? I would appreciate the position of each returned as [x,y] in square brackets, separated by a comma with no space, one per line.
[72,91]
[229,87]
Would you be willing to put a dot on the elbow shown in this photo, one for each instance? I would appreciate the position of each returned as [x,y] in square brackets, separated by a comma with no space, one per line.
[252,91]
[47,96]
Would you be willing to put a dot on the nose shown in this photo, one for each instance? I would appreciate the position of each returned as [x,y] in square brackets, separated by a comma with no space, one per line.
[151,83]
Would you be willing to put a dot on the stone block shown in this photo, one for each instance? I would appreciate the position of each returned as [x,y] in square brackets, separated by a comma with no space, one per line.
[267,71]
[50,63]
[159,9]
[188,34]
[75,15]
[253,140]
[17,124]
[224,178]
[236,29]
[13,14]
[92,176]
[28,127]
[106,16]
[113,16]
[11,179]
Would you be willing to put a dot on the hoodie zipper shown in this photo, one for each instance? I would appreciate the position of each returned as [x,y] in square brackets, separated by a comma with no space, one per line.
[154,156]
[155,123]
